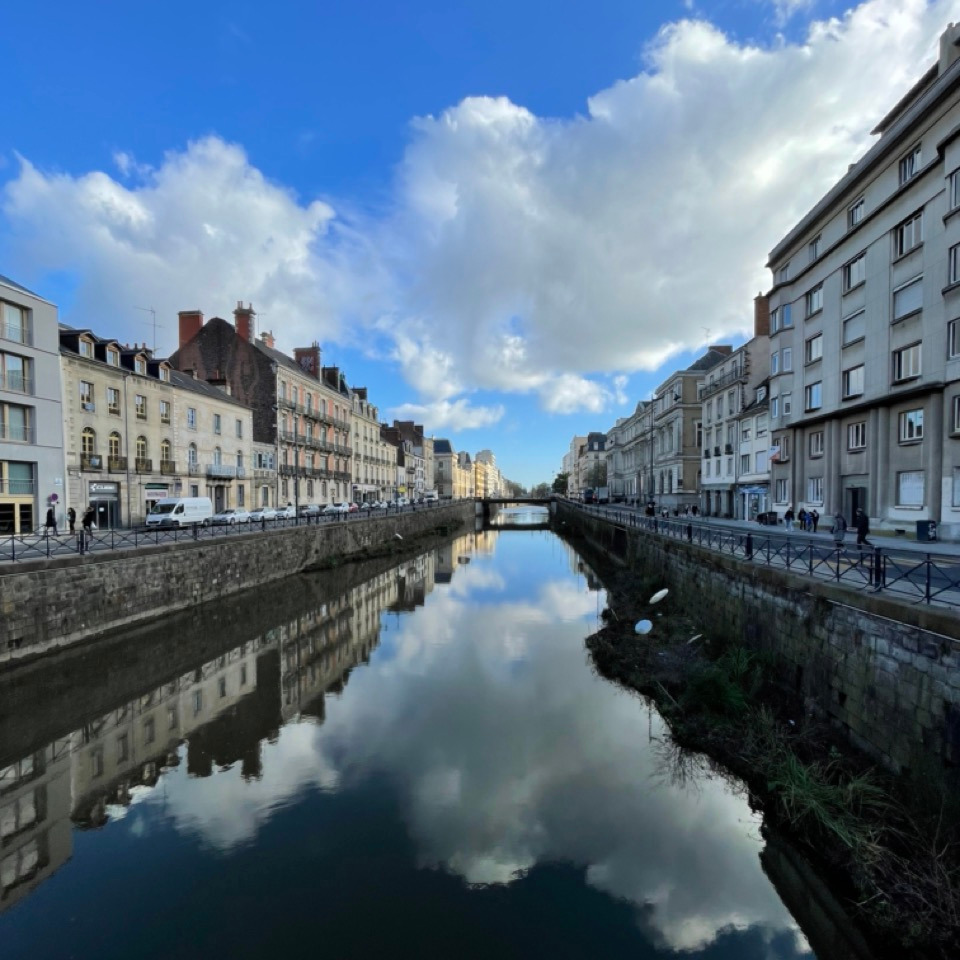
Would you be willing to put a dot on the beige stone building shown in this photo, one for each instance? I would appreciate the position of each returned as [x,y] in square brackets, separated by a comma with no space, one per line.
[374,460]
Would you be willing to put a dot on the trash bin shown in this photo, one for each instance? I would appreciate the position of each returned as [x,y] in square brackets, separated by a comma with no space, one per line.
[926,530]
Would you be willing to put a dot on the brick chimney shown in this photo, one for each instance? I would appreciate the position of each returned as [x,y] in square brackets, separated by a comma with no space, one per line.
[761,316]
[266,338]
[723,348]
[308,359]
[243,320]
[190,323]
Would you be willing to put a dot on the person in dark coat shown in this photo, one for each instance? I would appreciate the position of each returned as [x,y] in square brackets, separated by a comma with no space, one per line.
[72,519]
[88,519]
[815,518]
[839,528]
[862,524]
[788,518]
[802,518]
[51,521]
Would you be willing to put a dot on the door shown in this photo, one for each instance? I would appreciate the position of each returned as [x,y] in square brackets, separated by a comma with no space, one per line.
[856,499]
[218,500]
[106,513]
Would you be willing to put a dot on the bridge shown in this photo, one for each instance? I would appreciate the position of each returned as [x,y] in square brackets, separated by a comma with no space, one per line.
[486,505]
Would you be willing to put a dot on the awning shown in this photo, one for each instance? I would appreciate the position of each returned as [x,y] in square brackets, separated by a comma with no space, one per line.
[763,489]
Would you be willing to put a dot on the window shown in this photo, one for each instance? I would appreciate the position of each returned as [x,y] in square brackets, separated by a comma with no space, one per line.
[910,165]
[774,320]
[745,431]
[853,382]
[908,298]
[744,463]
[241,495]
[164,374]
[911,425]
[166,451]
[113,357]
[192,418]
[15,324]
[813,248]
[786,358]
[116,445]
[216,423]
[141,448]
[854,272]
[815,490]
[774,408]
[774,363]
[955,426]
[816,443]
[954,194]
[140,366]
[908,235]
[113,401]
[16,373]
[762,425]
[164,411]
[86,397]
[813,396]
[141,405]
[217,457]
[954,266]
[239,428]
[910,488]
[814,300]
[760,465]
[786,316]
[783,446]
[192,454]
[86,349]
[855,212]
[813,348]
[240,460]
[731,402]
[88,443]
[780,492]
[706,469]
[953,339]
[784,275]
[854,327]
[906,363]
[857,435]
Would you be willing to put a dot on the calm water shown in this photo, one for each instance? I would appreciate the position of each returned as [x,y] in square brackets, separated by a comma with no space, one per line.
[422,766]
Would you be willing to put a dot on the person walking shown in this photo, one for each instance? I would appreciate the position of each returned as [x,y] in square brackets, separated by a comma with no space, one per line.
[839,528]
[862,523]
[88,519]
[802,518]
[51,521]
[788,519]
[72,519]
[814,518]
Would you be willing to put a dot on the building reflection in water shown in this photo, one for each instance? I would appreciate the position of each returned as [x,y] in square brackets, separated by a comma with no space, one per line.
[215,715]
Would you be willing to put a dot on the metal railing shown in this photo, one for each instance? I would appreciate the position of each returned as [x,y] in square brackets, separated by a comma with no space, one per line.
[17,433]
[912,576]
[16,382]
[18,332]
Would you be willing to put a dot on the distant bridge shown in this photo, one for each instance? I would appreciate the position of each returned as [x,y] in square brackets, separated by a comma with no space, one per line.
[486,504]
[541,501]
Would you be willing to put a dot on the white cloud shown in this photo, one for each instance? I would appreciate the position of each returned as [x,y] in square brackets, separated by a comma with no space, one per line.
[450,415]
[518,253]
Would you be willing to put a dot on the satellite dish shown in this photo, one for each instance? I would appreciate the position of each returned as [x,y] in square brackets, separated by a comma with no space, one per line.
[659,595]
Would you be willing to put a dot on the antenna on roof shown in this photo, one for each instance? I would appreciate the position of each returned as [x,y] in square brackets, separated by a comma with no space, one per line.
[153,322]
[706,334]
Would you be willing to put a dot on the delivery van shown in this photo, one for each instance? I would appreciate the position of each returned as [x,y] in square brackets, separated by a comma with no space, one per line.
[180,512]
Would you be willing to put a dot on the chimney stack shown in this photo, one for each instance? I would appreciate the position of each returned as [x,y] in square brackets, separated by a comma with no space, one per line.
[191,322]
[266,338]
[243,320]
[761,316]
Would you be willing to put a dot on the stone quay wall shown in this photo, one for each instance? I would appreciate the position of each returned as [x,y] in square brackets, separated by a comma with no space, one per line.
[885,672]
[50,604]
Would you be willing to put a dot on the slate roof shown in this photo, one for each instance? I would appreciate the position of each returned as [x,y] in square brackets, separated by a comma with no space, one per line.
[442,446]
[185,381]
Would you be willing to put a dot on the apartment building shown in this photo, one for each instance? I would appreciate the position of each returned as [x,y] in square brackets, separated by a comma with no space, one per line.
[454,474]
[31,413]
[300,407]
[865,324]
[138,431]
[374,460]
[570,459]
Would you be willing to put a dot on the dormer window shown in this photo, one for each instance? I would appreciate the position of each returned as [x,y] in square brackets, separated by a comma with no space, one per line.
[86,348]
[113,357]
[140,366]
[761,394]
[165,374]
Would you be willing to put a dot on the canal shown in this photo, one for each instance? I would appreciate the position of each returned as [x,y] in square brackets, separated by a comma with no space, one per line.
[421,765]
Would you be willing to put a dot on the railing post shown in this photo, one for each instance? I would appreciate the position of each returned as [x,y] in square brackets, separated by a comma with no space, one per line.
[876,572]
[748,546]
[927,589]
[689,533]
[788,553]
[81,542]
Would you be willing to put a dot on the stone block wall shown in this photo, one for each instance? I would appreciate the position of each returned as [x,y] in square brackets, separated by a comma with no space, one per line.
[886,672]
[49,604]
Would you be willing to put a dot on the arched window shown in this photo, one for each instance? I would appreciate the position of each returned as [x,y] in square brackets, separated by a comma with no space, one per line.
[192,454]
[88,442]
[141,448]
[165,451]
[217,457]
[116,445]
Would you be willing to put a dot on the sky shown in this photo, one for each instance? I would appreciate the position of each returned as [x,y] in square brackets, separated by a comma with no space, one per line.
[510,221]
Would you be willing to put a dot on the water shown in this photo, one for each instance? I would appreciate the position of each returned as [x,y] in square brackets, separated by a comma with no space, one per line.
[424,765]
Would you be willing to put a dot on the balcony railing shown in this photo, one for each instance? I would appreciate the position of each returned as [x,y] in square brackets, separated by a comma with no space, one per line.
[168,467]
[224,471]
[193,469]
[708,389]
[20,333]
[16,382]
[262,473]
[18,488]
[117,464]
[144,465]
[17,432]
[93,462]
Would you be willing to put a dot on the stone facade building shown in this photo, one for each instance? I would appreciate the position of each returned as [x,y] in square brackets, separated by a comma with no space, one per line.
[31,413]
[373,458]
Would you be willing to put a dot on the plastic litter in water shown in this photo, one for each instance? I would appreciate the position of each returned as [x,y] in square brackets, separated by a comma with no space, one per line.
[659,595]
[643,626]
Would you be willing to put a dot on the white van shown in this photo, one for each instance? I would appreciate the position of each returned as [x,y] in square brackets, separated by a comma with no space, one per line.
[180,512]
[431,496]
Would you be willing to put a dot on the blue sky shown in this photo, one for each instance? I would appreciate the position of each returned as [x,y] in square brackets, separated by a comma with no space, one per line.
[509,220]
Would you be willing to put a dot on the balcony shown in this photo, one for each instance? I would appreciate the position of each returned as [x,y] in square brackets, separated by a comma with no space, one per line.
[117,464]
[193,469]
[224,472]
[733,376]
[18,433]
[18,332]
[261,473]
[16,382]
[18,488]
[92,462]
[168,467]
[143,465]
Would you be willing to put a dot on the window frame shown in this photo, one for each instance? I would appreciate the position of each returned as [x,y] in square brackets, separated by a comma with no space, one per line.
[845,377]
[911,350]
[910,426]
[908,235]
[815,444]
[901,474]
[857,432]
[856,212]
[813,392]
[910,163]
[809,345]
[813,301]
[851,277]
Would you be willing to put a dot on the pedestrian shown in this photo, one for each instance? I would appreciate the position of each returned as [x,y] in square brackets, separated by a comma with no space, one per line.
[839,528]
[815,517]
[802,518]
[862,523]
[788,519]
[87,521]
[51,521]
[72,519]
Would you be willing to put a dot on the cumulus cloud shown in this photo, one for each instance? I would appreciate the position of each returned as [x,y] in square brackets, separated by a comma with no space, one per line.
[518,253]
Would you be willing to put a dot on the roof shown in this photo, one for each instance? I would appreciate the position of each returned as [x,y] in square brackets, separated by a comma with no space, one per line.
[710,359]
[7,282]
[185,381]
[442,446]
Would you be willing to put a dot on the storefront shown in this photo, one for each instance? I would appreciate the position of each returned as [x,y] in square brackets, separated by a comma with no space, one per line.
[104,497]
[754,501]
[152,492]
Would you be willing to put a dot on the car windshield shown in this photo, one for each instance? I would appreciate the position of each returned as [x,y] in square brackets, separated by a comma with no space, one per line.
[226,513]
[163,508]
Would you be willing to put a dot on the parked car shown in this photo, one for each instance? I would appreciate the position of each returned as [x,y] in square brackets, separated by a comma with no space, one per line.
[335,507]
[230,516]
[310,509]
[368,505]
[286,513]
[263,513]
[403,502]
[352,508]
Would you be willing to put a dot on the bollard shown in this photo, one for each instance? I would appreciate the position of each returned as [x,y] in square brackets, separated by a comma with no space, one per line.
[877,568]
[749,546]
[689,533]
[81,542]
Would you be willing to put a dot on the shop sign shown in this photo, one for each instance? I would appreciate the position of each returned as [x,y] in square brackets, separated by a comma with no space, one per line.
[113,488]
